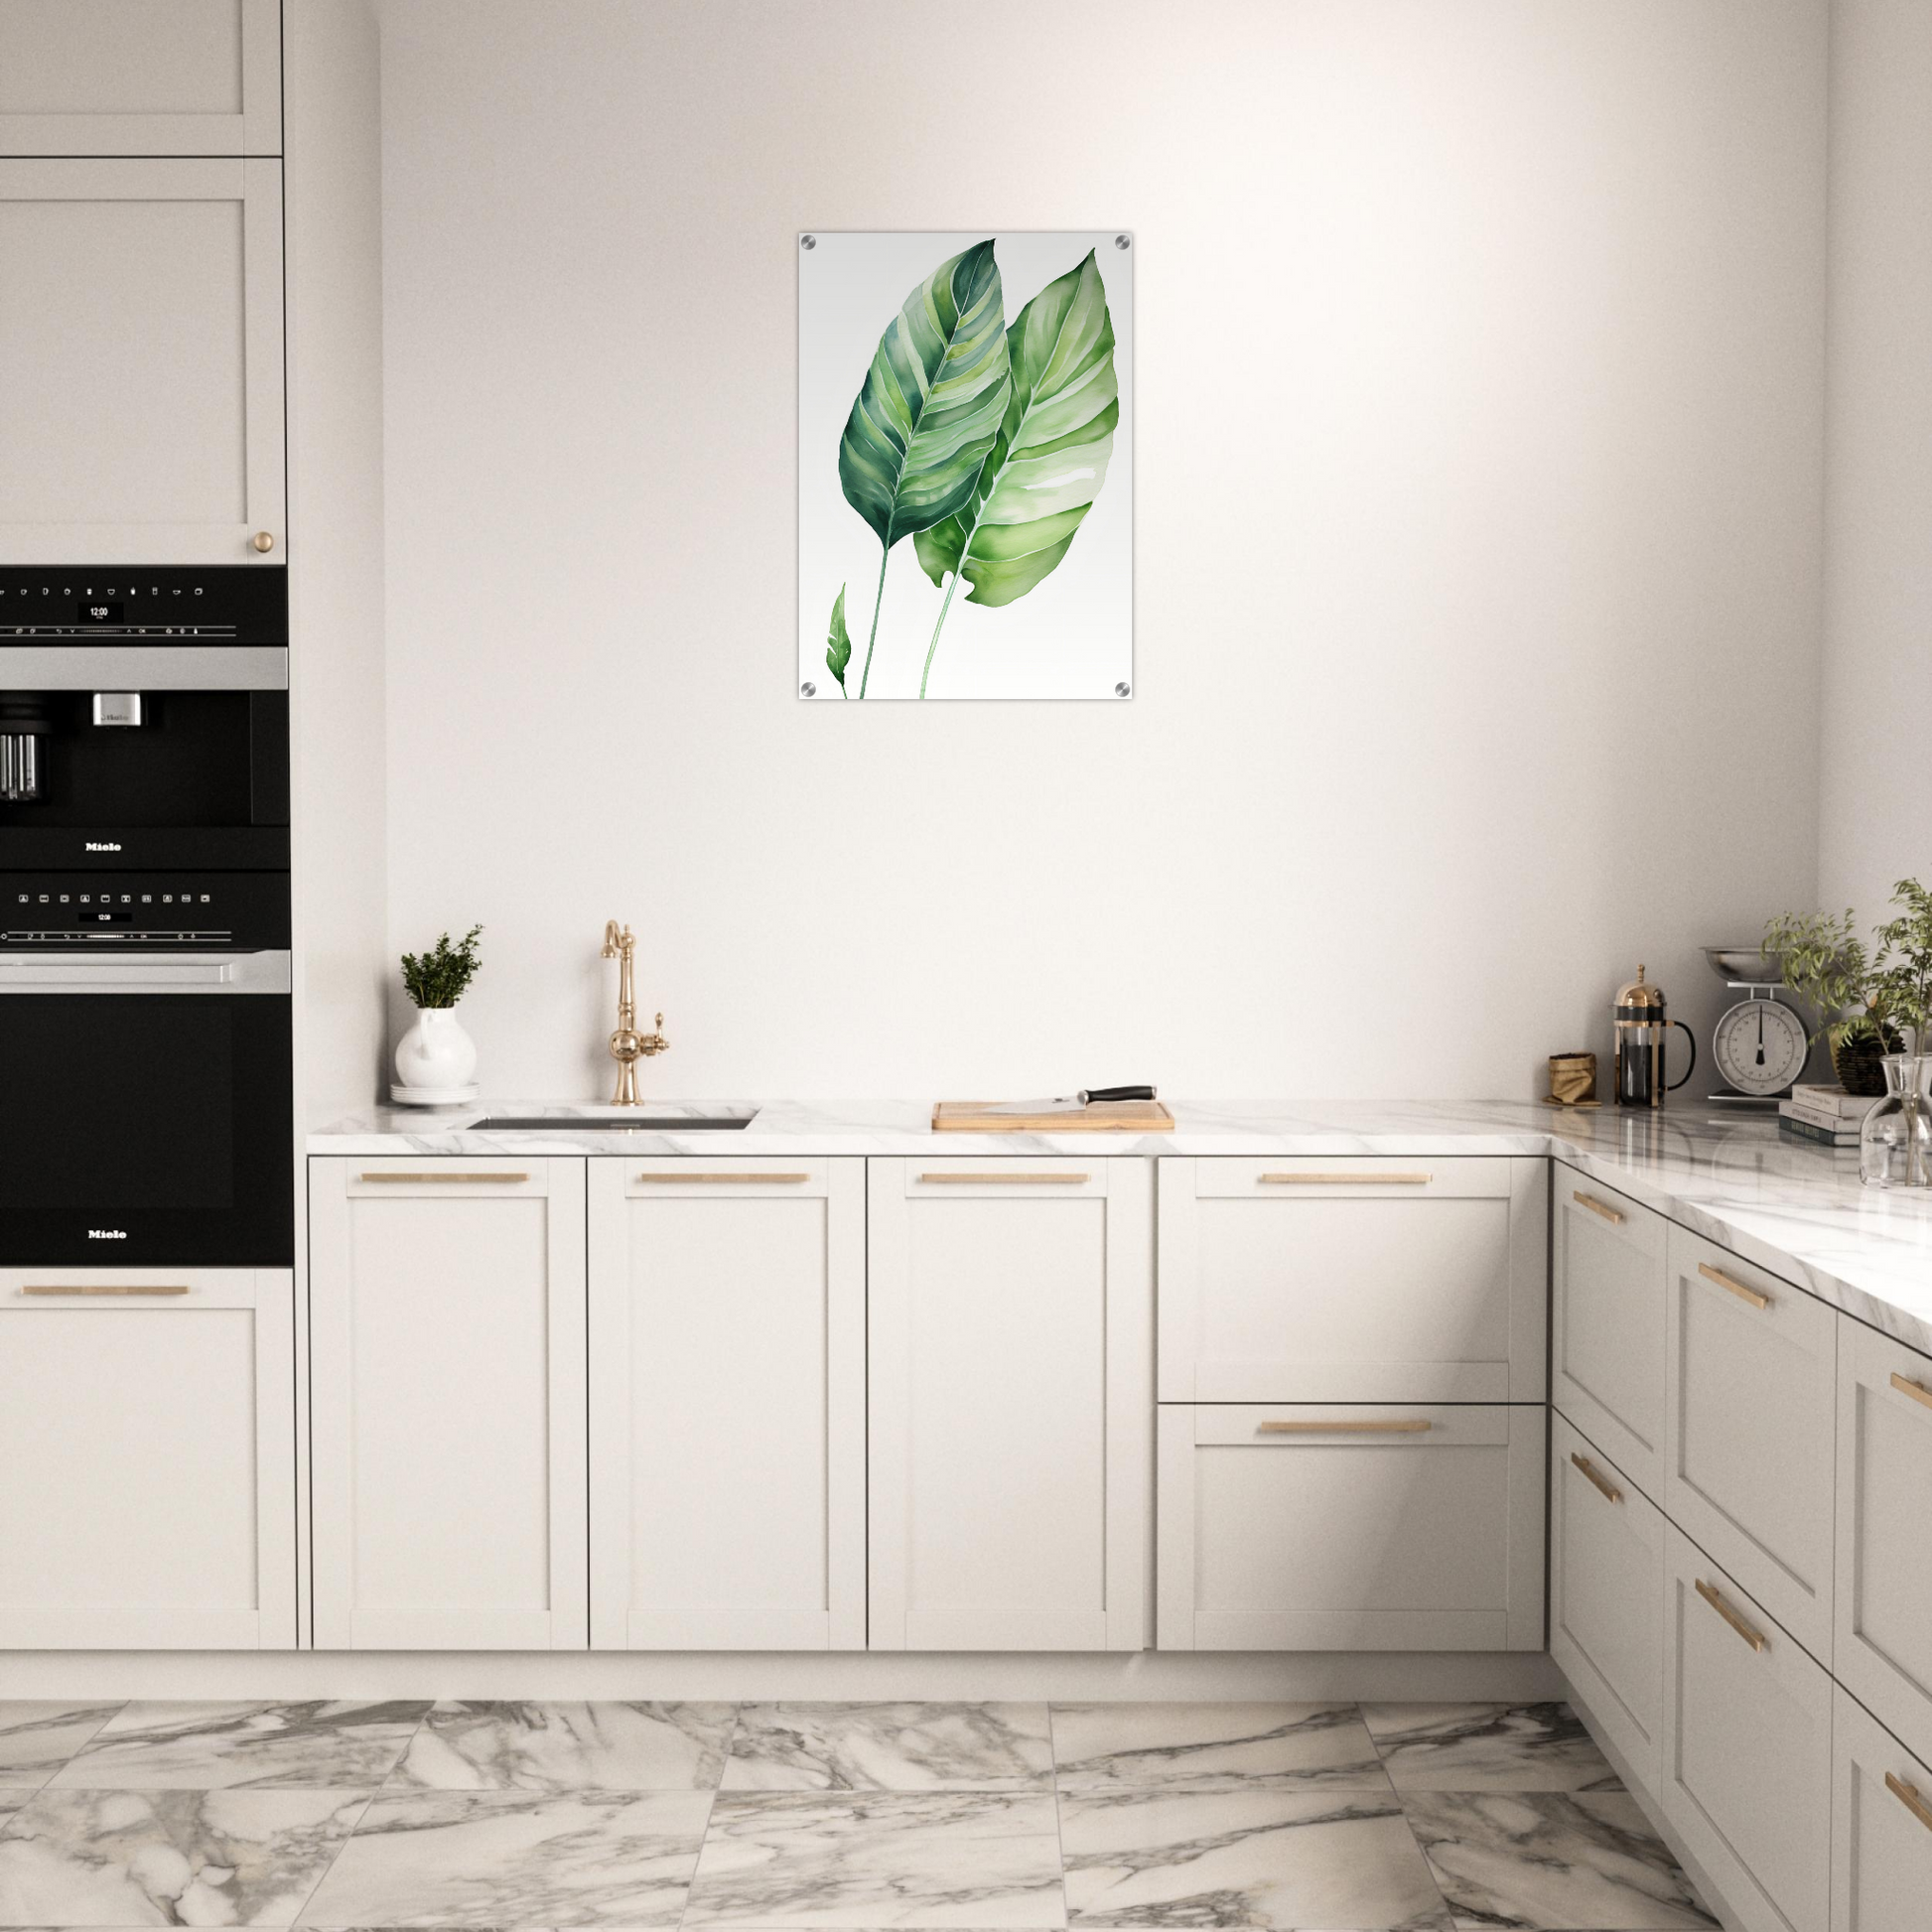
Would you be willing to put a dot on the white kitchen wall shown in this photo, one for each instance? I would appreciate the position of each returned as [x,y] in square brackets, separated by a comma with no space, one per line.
[1878,473]
[1480,387]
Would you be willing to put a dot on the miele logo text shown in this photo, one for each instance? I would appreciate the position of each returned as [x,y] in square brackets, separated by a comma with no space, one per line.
[108,1234]
[99,845]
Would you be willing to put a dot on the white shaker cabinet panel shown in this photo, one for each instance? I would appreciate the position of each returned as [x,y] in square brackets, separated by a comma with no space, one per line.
[1751,1431]
[141,362]
[1606,1596]
[1353,1280]
[1747,1748]
[1612,1271]
[728,1376]
[447,1321]
[1011,1387]
[1328,1527]
[1881,1828]
[147,1423]
[140,77]
[1883,1648]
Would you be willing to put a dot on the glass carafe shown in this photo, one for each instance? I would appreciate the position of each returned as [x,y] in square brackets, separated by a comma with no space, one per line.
[1895,1142]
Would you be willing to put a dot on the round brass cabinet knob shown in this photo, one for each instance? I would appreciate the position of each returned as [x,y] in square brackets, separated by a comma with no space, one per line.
[263,540]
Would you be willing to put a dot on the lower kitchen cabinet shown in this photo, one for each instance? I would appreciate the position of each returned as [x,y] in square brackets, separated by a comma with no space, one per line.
[1606,1596]
[147,1423]
[1881,1828]
[727,1402]
[1011,1387]
[1330,1526]
[446,1324]
[1747,1748]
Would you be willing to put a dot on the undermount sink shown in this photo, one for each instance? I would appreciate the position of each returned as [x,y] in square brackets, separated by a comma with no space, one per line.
[628,1120]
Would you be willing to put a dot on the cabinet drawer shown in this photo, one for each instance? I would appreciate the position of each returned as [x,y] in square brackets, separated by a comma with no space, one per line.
[1747,1748]
[1399,1280]
[1340,1528]
[1607,1364]
[1752,1368]
[1881,1828]
[1606,1596]
[1883,1651]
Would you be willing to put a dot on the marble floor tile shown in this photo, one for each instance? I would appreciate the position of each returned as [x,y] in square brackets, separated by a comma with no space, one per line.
[1265,1859]
[37,1737]
[1552,1860]
[568,1748]
[1487,1747]
[168,1857]
[1198,1746]
[891,1748]
[215,1747]
[516,1858]
[969,1858]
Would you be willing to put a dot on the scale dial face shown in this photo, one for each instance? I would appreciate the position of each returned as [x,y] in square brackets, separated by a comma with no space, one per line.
[1761,1047]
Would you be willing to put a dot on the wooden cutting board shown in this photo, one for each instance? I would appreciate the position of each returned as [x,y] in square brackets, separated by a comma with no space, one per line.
[1099,1117]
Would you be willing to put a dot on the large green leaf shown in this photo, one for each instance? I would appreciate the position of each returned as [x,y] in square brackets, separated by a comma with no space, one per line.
[932,401]
[1051,458]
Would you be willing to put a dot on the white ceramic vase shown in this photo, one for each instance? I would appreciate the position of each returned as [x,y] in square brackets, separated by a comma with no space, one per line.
[436,1051]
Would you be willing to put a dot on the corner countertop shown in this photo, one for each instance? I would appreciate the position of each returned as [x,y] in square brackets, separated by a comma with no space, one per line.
[1729,1177]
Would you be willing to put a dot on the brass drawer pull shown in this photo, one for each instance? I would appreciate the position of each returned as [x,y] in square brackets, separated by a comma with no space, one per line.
[1916,1390]
[1347,1180]
[1755,1639]
[1595,1475]
[1911,1798]
[106,1288]
[1603,1209]
[742,1179]
[1016,1178]
[1344,1428]
[439,1179]
[1732,1286]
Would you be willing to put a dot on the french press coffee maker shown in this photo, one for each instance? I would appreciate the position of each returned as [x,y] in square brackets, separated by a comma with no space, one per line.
[1641,1027]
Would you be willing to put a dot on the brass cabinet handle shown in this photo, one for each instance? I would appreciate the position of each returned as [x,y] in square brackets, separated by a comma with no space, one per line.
[743,1180]
[1016,1178]
[442,1180]
[1344,1428]
[1910,1797]
[1916,1390]
[1755,1639]
[1732,1286]
[263,540]
[1601,1209]
[1594,1474]
[106,1288]
[1347,1180]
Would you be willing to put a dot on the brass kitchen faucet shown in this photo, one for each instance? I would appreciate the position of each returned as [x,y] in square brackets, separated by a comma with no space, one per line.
[628,1045]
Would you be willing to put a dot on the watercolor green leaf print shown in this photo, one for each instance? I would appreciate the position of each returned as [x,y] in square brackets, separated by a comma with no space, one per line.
[929,409]
[838,643]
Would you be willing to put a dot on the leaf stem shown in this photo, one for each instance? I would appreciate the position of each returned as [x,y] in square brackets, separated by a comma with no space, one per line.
[879,598]
[959,571]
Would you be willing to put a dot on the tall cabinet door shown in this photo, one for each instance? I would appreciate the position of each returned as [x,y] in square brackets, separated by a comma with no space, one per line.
[447,1404]
[1011,1385]
[727,1373]
[147,1427]
[141,362]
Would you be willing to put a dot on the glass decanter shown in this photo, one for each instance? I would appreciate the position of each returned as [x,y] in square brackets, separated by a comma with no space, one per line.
[1895,1142]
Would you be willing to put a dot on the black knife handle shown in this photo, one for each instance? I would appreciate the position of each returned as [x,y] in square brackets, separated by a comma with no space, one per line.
[1092,1095]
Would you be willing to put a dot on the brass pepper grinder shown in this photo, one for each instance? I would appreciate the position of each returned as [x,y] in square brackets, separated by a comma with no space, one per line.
[628,1045]
[1641,1027]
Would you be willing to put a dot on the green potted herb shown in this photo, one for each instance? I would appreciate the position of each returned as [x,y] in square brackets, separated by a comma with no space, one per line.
[1895,1142]
[1828,967]
[436,1060]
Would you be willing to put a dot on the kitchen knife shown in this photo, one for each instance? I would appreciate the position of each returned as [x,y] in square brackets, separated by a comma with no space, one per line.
[1069,1103]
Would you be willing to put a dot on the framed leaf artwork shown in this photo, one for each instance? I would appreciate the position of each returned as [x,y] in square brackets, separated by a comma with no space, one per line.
[965,466]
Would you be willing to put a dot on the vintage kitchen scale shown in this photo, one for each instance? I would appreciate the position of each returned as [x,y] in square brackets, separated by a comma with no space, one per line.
[1761,1044]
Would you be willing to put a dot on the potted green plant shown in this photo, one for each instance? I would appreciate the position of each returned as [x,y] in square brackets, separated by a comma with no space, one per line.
[1828,967]
[436,1060]
[1895,1142]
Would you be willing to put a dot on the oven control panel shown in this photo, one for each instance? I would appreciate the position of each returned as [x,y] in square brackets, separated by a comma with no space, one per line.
[220,604]
[138,911]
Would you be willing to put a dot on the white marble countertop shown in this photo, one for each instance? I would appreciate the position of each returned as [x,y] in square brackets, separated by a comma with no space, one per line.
[1731,1177]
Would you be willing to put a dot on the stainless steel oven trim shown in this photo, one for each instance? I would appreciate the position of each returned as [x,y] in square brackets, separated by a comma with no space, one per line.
[242,972]
[143,667]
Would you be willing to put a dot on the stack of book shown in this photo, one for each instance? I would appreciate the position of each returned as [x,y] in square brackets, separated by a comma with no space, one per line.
[1828,1116]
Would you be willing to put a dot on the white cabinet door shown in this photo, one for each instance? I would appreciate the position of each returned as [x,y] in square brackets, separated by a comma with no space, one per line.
[1883,1648]
[1294,1280]
[147,1424]
[1749,1439]
[139,77]
[1747,1748]
[1881,1828]
[728,1404]
[1607,1359]
[1336,1528]
[447,1365]
[1607,1596]
[1010,1389]
[141,362]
